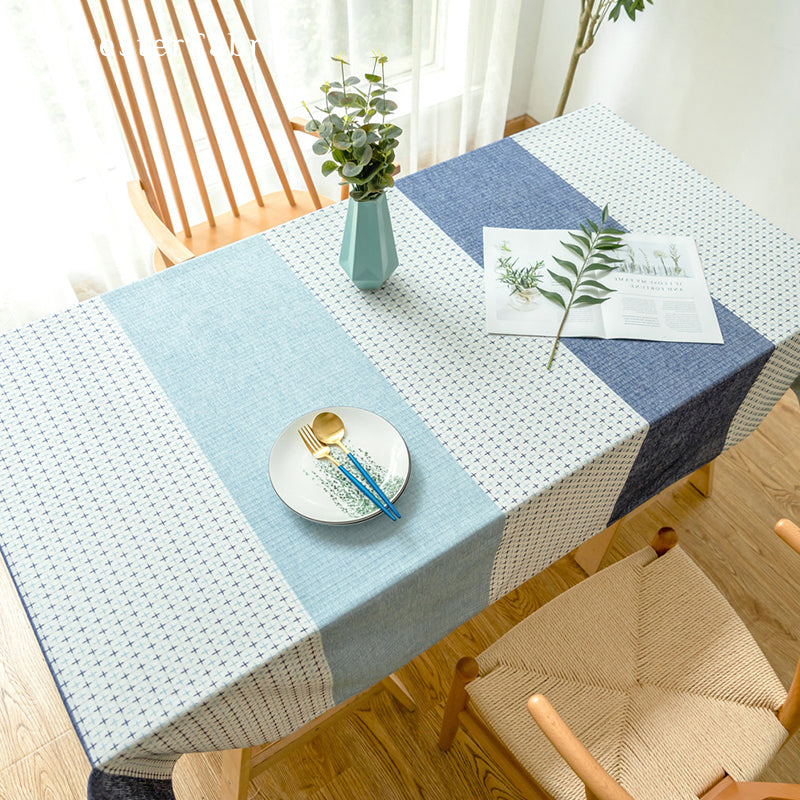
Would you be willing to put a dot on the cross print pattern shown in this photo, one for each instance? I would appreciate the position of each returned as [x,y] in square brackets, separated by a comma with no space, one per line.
[119,523]
[651,190]
[425,331]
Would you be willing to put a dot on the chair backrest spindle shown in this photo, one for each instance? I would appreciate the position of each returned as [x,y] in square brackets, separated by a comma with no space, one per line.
[183,124]
[119,107]
[136,113]
[226,102]
[156,116]
[179,107]
[140,142]
[254,105]
[201,107]
[278,103]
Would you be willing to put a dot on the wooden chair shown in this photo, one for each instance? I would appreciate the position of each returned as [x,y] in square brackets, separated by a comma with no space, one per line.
[239,767]
[156,130]
[661,693]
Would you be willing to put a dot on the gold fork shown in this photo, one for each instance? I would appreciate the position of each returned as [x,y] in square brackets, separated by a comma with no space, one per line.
[320,451]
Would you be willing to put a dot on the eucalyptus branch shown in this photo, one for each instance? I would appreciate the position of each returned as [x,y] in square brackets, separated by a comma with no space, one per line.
[592,246]
[361,149]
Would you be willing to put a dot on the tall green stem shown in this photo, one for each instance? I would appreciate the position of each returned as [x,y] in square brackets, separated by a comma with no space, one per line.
[577,51]
[588,25]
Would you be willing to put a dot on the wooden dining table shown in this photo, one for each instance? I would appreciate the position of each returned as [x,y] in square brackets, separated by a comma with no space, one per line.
[182,605]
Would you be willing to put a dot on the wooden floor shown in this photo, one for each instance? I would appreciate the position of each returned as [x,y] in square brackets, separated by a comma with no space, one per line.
[379,750]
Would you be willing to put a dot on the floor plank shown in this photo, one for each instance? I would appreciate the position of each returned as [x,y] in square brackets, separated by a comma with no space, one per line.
[57,771]
[379,750]
[31,711]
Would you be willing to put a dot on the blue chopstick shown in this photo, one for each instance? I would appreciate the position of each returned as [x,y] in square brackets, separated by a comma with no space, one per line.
[372,483]
[367,493]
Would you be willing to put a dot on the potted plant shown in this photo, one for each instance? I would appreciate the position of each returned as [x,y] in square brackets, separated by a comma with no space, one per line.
[523,282]
[359,137]
[592,15]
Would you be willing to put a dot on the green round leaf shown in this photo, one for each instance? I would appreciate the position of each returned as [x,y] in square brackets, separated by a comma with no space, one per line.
[336,99]
[384,106]
[351,169]
[366,156]
[328,167]
[319,147]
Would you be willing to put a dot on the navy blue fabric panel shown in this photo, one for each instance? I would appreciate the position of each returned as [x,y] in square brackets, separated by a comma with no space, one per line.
[671,384]
[103,786]
[657,377]
[528,195]
[692,434]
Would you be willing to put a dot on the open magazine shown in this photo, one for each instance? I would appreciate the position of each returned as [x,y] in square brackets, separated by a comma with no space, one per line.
[659,289]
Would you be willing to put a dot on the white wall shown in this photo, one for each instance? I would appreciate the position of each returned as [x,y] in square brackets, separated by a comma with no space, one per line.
[530,18]
[717,82]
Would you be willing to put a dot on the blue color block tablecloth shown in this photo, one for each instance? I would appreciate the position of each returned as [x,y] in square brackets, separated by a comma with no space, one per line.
[181,606]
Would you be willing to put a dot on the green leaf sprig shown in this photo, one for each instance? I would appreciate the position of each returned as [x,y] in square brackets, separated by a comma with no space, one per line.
[355,130]
[593,246]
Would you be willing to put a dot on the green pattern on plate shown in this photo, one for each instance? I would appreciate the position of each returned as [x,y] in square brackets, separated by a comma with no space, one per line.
[344,495]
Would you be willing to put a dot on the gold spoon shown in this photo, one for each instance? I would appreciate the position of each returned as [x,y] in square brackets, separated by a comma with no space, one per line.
[329,429]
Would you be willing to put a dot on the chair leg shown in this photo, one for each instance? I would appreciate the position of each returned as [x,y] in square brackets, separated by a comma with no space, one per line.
[729,789]
[466,671]
[665,540]
[456,712]
[235,773]
[487,740]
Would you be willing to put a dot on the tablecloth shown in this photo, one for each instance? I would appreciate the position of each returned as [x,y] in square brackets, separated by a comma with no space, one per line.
[182,607]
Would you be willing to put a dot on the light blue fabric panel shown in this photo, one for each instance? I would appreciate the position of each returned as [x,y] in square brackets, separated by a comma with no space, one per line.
[251,352]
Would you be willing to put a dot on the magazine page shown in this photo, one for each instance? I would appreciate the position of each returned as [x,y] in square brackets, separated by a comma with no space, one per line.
[661,293]
[514,259]
[658,290]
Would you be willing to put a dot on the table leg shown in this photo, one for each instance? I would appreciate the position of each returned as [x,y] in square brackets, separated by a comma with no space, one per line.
[397,689]
[703,479]
[590,553]
[235,773]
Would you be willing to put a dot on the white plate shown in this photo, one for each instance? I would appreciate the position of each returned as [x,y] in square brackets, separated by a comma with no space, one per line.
[317,490]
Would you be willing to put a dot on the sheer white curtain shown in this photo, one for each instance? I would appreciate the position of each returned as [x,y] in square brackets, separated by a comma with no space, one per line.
[70,232]
[451,61]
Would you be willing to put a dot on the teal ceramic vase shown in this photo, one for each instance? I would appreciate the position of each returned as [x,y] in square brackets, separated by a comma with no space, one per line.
[368,253]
